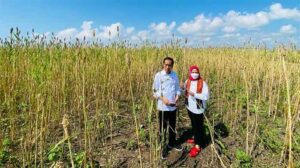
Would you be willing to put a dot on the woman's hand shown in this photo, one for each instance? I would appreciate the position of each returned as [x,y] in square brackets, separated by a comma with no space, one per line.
[191,93]
[181,85]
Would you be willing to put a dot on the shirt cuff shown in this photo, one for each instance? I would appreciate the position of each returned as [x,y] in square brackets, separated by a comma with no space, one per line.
[156,94]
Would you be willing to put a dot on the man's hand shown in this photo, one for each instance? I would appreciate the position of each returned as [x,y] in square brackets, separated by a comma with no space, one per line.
[165,100]
[177,100]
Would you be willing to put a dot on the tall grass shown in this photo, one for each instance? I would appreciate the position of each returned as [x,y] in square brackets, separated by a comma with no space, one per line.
[106,89]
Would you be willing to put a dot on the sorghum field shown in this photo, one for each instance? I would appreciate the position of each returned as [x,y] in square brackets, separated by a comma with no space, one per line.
[83,104]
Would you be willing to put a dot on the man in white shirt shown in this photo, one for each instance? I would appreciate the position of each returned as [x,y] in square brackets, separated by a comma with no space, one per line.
[166,90]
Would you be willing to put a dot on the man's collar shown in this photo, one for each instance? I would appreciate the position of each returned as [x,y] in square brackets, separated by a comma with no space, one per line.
[164,72]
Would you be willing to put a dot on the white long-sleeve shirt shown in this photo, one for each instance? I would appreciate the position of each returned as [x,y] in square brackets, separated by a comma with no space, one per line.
[204,96]
[166,85]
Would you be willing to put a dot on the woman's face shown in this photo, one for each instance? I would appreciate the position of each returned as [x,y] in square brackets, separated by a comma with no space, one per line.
[195,71]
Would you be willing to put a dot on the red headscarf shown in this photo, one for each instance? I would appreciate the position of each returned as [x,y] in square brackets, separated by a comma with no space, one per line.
[190,72]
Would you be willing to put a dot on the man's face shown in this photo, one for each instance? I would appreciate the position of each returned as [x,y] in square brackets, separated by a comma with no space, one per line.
[168,66]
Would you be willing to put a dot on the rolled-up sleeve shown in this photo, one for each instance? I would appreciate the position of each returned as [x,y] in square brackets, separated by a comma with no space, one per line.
[156,87]
[205,93]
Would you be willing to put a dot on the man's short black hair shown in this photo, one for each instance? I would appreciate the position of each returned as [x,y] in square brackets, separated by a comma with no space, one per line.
[168,58]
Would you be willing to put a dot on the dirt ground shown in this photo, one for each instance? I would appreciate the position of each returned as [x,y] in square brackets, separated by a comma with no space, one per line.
[226,147]
[123,157]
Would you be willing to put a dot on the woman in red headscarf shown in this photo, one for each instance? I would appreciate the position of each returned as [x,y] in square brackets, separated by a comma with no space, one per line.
[196,95]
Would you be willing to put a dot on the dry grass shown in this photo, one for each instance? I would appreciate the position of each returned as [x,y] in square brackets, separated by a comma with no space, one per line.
[98,86]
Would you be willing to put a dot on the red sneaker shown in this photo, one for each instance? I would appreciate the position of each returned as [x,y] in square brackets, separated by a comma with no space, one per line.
[194,151]
[190,141]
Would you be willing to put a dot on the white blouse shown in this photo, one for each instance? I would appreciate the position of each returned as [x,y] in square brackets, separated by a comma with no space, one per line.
[204,96]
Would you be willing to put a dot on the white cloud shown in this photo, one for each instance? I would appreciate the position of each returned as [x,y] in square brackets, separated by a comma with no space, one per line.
[87,30]
[229,29]
[129,30]
[278,12]
[111,31]
[162,28]
[265,39]
[114,30]
[258,19]
[87,25]
[143,35]
[232,21]
[67,33]
[230,35]
[189,27]
[228,26]
[215,23]
[200,24]
[246,20]
[156,31]
[288,29]
[104,32]
[134,38]
[207,38]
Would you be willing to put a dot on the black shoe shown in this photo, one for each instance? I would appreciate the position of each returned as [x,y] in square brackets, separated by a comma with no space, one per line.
[176,147]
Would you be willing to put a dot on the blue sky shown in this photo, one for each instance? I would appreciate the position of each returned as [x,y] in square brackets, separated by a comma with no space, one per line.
[213,22]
